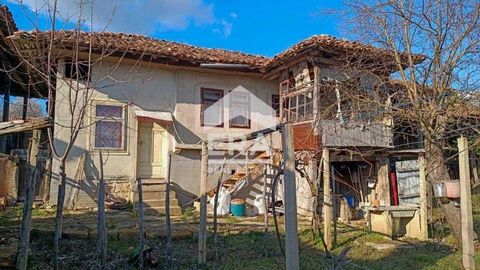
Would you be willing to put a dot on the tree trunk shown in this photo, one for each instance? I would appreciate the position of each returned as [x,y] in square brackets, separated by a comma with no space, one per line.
[59,213]
[22,255]
[437,171]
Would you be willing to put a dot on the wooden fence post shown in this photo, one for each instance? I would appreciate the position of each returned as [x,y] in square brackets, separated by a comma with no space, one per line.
[466,205]
[168,223]
[291,230]
[140,224]
[327,200]
[22,255]
[202,232]
[423,197]
[101,222]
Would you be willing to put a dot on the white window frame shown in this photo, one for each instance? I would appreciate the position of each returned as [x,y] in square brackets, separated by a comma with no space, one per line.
[232,104]
[94,119]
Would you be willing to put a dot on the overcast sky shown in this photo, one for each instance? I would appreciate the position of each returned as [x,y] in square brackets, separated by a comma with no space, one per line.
[259,27]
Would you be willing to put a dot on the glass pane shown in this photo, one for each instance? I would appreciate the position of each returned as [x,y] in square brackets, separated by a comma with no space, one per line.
[109,111]
[293,102]
[212,114]
[212,95]
[239,120]
[301,111]
[108,134]
[239,115]
[238,98]
[301,100]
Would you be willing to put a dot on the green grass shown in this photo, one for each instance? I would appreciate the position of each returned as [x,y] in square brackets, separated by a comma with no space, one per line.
[247,249]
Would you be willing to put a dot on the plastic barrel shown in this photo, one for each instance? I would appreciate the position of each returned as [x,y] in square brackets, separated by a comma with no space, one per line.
[237,210]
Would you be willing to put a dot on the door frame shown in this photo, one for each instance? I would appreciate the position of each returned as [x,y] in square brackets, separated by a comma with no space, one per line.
[165,144]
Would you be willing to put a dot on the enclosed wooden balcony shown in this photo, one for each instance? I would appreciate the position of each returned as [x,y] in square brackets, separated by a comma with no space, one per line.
[333,133]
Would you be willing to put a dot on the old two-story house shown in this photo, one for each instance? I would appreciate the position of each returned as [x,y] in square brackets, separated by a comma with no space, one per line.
[150,103]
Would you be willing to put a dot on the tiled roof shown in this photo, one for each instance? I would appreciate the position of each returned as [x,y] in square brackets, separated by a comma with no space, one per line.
[332,43]
[184,53]
[138,44]
[7,23]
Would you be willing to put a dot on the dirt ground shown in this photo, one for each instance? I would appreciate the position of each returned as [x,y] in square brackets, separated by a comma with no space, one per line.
[242,244]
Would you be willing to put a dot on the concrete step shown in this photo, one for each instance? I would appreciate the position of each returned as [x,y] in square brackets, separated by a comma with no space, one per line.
[153,181]
[155,203]
[150,187]
[160,210]
[154,195]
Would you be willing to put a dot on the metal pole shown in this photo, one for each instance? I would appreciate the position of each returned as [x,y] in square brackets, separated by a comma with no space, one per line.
[291,237]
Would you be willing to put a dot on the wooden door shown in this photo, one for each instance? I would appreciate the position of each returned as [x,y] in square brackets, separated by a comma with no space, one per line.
[152,150]
[408,181]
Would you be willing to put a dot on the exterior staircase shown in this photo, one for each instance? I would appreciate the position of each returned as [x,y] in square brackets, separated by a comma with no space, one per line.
[154,194]
[254,169]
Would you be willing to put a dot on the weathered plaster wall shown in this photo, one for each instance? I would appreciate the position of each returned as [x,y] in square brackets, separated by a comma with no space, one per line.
[150,87]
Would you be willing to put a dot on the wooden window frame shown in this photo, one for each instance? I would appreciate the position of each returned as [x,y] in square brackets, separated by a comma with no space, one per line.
[202,107]
[232,125]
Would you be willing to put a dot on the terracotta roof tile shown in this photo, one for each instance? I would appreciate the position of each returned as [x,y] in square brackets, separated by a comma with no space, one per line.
[329,42]
[7,24]
[139,44]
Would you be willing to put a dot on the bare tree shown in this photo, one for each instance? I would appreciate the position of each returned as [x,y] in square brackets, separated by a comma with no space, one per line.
[34,109]
[63,59]
[434,47]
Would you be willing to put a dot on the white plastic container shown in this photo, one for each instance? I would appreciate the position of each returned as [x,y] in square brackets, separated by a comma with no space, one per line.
[259,205]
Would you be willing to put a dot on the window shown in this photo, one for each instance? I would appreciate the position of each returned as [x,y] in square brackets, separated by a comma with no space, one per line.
[298,107]
[109,126]
[276,104]
[77,70]
[212,107]
[239,110]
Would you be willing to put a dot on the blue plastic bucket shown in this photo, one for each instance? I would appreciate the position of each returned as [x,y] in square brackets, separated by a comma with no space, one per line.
[237,210]
[350,200]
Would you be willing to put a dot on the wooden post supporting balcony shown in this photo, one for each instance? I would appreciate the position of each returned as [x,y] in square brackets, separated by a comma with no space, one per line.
[327,200]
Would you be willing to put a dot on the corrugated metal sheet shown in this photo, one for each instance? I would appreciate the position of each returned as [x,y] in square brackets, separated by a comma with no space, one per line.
[335,134]
[408,181]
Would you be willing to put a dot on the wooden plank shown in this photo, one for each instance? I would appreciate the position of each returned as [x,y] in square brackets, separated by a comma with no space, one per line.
[101,220]
[140,223]
[327,200]
[77,179]
[315,105]
[202,230]
[383,184]
[14,127]
[249,136]
[291,230]
[5,117]
[466,205]
[423,197]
